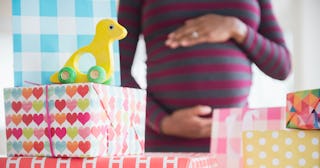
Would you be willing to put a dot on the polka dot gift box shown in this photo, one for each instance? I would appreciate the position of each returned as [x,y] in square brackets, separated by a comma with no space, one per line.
[283,148]
[74,120]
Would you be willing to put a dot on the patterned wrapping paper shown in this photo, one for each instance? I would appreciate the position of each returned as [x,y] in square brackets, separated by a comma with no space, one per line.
[85,120]
[303,109]
[227,127]
[281,148]
[148,160]
[46,33]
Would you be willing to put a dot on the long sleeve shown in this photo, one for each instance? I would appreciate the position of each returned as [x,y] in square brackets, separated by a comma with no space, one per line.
[266,47]
[129,15]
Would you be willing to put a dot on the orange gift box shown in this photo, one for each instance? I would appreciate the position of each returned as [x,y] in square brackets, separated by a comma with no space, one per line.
[147,160]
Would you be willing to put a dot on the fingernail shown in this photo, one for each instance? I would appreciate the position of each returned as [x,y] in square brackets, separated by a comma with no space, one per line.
[206,109]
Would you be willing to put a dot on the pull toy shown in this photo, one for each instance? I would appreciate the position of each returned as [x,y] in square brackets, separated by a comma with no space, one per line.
[107,31]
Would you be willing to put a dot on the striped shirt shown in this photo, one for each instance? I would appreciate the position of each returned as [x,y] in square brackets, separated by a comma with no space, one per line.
[215,74]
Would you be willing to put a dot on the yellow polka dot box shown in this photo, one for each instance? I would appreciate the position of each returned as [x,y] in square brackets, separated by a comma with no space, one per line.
[282,148]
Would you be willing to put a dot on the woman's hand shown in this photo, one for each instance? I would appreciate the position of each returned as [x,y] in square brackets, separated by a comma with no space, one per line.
[210,28]
[188,123]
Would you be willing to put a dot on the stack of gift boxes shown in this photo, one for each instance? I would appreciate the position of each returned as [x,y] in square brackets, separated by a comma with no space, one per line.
[96,125]
[270,137]
[81,125]
[78,124]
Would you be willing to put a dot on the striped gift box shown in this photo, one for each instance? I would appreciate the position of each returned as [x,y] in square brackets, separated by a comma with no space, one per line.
[148,160]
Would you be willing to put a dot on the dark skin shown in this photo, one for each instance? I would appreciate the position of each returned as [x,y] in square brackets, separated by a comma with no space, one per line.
[210,28]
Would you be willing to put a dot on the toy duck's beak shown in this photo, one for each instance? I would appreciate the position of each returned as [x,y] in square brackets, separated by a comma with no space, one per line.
[124,34]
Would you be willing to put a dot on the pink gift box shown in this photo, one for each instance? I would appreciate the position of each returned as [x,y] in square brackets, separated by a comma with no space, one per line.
[227,127]
[148,160]
[74,120]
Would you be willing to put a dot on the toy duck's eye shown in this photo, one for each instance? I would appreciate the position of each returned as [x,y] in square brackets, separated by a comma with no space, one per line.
[111,27]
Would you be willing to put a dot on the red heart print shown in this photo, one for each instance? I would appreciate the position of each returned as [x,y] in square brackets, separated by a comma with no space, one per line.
[38,146]
[38,118]
[60,104]
[8,132]
[83,90]
[84,146]
[16,106]
[61,132]
[27,119]
[37,92]
[71,118]
[52,132]
[84,117]
[17,132]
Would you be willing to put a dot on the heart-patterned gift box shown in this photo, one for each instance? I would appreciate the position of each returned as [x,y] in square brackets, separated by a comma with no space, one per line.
[74,120]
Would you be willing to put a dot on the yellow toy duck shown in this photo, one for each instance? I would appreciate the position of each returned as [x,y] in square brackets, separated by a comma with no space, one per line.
[107,31]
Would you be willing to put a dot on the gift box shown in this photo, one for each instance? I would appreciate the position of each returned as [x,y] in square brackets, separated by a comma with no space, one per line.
[47,33]
[74,120]
[228,124]
[281,148]
[148,160]
[303,109]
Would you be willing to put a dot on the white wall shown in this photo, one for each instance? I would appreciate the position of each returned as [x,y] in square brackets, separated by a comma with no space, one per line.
[309,56]
[6,63]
